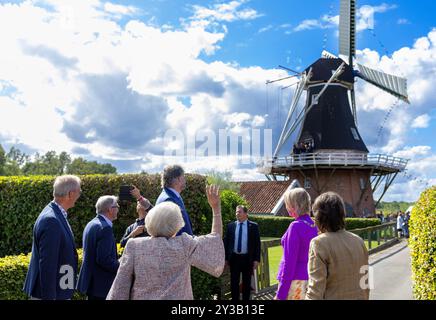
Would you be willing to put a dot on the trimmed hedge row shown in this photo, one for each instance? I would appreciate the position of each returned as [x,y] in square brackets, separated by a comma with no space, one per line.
[23,198]
[422,243]
[277,226]
[13,270]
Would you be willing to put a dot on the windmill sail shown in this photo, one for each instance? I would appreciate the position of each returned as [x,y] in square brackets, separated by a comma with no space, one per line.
[392,84]
[347,29]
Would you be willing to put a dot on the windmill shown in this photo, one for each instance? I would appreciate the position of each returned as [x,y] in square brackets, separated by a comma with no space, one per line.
[336,158]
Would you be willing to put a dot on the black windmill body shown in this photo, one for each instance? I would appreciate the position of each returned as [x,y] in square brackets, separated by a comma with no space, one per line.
[330,123]
[329,153]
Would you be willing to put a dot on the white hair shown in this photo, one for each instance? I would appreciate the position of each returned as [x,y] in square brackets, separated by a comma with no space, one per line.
[104,203]
[164,220]
[65,184]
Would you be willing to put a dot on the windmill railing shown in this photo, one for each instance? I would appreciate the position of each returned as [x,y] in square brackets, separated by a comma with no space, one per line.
[334,159]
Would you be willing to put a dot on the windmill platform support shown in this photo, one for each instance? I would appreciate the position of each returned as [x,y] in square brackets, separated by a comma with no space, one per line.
[354,176]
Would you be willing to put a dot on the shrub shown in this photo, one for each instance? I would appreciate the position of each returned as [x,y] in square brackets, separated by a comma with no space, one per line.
[23,198]
[422,242]
[13,270]
[271,226]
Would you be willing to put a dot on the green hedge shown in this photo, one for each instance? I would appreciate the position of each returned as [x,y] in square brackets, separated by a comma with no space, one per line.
[422,243]
[13,270]
[277,226]
[22,199]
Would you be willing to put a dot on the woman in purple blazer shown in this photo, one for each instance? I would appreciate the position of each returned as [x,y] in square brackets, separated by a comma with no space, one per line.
[292,275]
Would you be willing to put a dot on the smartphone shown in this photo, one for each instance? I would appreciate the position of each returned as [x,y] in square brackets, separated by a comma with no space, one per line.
[125,193]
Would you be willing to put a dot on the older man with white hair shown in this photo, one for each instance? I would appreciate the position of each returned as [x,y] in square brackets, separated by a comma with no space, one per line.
[53,265]
[100,259]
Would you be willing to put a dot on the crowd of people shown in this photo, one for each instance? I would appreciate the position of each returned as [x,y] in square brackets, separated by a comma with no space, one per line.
[320,259]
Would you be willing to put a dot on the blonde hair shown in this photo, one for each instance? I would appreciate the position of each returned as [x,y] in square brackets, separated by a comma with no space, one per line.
[164,220]
[298,199]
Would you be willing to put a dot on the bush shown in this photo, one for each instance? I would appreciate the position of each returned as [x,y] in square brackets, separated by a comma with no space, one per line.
[26,196]
[359,223]
[23,198]
[271,226]
[13,270]
[422,242]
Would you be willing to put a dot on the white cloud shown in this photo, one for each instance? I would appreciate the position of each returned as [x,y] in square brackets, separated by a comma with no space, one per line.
[421,122]
[120,10]
[92,84]
[413,152]
[309,24]
[74,78]
[264,29]
[365,19]
[227,12]
[377,113]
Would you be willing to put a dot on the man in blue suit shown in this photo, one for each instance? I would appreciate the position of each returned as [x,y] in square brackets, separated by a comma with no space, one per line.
[173,183]
[100,258]
[242,246]
[53,265]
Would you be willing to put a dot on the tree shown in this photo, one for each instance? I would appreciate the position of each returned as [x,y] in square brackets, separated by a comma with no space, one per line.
[82,166]
[15,155]
[223,180]
[2,160]
[16,162]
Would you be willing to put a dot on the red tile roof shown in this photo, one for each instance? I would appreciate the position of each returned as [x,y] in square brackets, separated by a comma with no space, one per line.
[262,196]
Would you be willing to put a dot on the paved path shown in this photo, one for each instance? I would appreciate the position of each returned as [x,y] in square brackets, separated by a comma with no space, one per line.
[392,273]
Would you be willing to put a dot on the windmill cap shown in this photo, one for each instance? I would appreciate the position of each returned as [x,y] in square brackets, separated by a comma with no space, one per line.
[322,70]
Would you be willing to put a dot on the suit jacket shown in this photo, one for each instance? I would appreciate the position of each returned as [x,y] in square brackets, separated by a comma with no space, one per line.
[169,195]
[100,259]
[335,267]
[160,268]
[54,257]
[253,240]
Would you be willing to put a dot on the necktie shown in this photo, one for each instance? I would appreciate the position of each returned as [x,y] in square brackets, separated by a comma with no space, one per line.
[240,238]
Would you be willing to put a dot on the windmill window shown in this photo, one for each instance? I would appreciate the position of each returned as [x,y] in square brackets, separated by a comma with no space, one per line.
[355,135]
[315,98]
[307,183]
[362,184]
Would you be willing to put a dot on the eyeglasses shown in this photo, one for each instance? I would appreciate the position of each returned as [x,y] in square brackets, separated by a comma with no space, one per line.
[117,206]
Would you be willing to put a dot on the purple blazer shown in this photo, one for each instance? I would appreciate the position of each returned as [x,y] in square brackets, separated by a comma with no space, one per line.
[295,243]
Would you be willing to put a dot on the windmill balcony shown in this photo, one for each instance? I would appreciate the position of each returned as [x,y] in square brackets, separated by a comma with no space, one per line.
[382,164]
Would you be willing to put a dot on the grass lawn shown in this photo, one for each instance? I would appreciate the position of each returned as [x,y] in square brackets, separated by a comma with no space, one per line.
[275,255]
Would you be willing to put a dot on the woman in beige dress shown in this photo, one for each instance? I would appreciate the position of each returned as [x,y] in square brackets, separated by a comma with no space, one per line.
[159,267]
[338,259]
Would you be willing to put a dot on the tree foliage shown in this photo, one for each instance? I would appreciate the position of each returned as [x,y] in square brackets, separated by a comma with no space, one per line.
[16,163]
[393,207]
[223,180]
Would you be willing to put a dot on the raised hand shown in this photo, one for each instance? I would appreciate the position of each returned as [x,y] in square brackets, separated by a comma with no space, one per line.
[213,196]
[135,193]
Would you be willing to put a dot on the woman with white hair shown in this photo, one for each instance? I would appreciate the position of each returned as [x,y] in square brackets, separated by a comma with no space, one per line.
[159,267]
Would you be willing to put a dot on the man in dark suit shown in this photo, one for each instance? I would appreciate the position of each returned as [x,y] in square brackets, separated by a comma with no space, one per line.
[242,245]
[100,258]
[173,183]
[53,265]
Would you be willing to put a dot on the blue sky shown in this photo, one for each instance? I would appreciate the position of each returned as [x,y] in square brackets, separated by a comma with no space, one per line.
[107,80]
